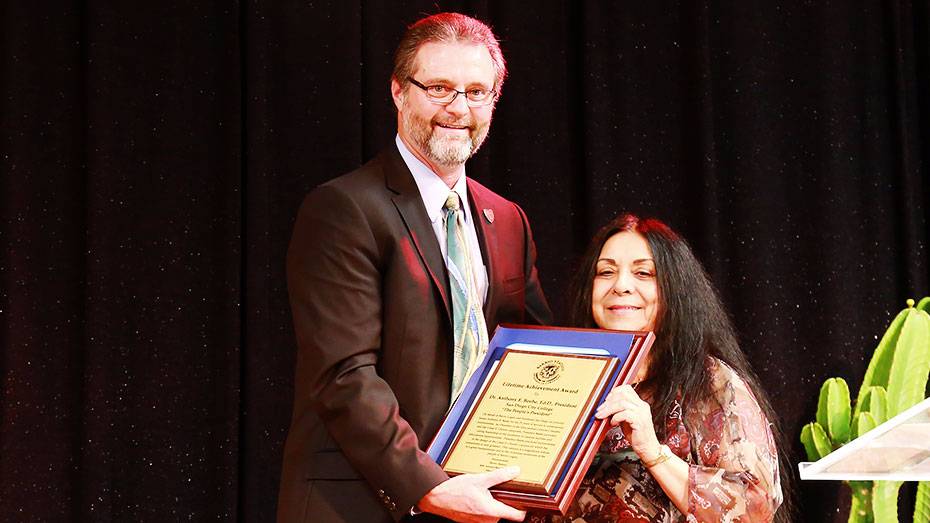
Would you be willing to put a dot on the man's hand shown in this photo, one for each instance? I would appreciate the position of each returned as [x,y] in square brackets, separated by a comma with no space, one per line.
[465,498]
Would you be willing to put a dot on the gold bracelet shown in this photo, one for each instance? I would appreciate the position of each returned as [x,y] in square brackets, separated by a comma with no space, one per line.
[665,454]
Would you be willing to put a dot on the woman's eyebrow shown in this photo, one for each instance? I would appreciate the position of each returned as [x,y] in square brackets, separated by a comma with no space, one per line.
[614,262]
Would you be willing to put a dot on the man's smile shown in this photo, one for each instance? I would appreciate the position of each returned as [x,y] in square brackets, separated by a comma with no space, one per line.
[453,126]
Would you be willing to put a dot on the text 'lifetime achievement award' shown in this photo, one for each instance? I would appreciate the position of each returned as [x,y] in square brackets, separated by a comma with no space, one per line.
[531,403]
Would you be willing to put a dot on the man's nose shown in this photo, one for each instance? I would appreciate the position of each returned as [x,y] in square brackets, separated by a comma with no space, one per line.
[458,106]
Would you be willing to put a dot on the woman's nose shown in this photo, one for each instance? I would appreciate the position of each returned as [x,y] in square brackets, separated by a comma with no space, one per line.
[623,284]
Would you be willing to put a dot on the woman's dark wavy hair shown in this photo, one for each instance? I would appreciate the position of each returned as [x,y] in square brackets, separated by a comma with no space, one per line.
[692,324]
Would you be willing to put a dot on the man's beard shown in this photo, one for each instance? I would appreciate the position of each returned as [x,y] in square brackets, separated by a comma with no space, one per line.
[446,150]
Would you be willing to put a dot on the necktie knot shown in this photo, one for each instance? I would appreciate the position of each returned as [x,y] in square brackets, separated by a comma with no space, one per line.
[452,202]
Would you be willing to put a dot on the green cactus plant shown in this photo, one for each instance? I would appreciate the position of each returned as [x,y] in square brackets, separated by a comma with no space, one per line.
[895,380]
[860,508]
[833,410]
[924,304]
[864,423]
[875,403]
[922,504]
[815,440]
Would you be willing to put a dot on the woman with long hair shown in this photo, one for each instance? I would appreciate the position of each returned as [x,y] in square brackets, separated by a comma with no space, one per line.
[693,439]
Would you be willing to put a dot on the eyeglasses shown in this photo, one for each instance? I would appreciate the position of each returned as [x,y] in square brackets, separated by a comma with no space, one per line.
[442,95]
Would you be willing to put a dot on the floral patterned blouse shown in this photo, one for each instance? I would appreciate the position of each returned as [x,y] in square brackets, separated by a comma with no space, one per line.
[732,477]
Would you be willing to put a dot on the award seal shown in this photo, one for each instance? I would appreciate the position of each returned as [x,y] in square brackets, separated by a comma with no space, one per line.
[548,371]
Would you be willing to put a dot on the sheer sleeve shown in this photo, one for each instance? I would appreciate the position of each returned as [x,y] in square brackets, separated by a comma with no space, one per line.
[735,475]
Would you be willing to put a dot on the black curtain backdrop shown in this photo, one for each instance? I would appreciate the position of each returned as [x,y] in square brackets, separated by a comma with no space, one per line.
[154,155]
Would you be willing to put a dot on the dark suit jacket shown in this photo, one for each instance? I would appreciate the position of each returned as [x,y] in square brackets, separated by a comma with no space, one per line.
[371,309]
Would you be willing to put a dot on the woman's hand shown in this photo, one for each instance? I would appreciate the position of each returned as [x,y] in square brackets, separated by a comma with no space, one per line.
[624,407]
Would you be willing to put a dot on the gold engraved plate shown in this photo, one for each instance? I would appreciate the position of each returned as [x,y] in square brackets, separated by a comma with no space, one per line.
[531,411]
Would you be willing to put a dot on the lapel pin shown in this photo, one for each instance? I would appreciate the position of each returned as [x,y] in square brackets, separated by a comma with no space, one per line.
[489,215]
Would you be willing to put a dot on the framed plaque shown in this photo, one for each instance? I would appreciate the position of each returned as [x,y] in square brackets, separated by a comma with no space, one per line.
[531,403]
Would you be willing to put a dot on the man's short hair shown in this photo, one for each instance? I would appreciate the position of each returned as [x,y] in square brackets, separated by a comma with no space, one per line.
[447,28]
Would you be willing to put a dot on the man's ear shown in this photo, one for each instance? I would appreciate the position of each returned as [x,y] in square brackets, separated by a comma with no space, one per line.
[397,93]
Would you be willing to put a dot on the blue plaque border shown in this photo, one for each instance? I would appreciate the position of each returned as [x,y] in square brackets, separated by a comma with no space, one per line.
[604,342]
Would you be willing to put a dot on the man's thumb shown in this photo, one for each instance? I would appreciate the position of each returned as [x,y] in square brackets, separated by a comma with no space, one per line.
[501,475]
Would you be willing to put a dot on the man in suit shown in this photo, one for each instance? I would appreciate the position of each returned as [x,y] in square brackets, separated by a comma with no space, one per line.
[381,291]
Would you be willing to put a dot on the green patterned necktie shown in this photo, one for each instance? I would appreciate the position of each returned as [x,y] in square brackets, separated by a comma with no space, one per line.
[471,333]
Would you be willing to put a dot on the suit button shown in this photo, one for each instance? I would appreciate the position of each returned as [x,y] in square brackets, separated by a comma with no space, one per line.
[381,495]
[392,506]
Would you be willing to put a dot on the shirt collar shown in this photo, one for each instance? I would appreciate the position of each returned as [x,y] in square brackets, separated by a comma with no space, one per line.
[432,189]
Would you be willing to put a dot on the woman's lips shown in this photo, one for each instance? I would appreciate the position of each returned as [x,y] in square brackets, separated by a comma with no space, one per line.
[623,308]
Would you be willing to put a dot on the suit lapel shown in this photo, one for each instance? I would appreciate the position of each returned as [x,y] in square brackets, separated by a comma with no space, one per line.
[409,204]
[487,238]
